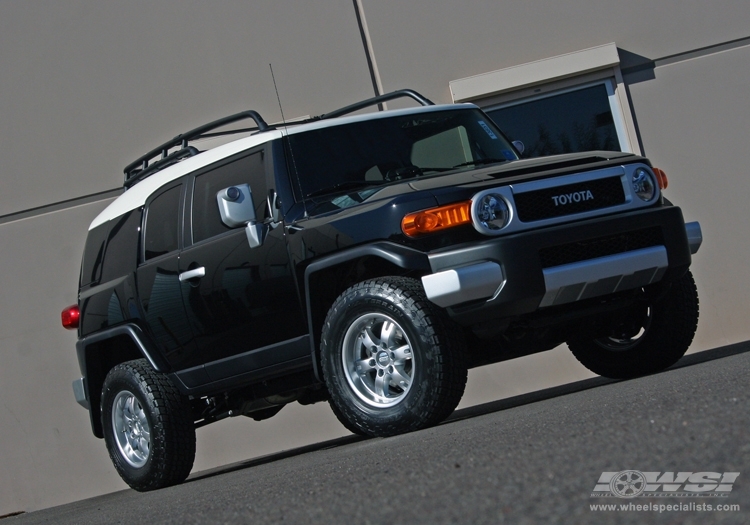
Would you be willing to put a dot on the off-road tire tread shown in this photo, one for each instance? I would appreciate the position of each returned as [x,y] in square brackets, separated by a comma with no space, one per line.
[172,428]
[444,340]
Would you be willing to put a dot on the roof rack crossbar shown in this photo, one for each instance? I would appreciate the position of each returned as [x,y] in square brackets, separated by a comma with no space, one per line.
[138,169]
[160,164]
[401,93]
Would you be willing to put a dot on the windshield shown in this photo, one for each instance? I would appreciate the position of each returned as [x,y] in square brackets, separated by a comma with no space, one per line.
[355,158]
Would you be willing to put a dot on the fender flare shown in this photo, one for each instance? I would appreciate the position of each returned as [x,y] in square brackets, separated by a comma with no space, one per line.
[401,256]
[143,346]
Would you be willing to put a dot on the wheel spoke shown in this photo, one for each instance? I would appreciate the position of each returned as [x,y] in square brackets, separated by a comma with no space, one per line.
[386,332]
[398,377]
[143,445]
[364,366]
[369,339]
[131,410]
[381,385]
[402,353]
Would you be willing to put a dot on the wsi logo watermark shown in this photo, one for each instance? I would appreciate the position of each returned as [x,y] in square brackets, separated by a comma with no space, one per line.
[634,483]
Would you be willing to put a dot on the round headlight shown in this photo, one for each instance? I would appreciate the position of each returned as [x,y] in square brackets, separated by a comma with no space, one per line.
[493,212]
[643,184]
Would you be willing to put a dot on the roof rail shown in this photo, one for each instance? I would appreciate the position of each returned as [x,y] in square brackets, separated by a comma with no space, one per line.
[401,93]
[139,169]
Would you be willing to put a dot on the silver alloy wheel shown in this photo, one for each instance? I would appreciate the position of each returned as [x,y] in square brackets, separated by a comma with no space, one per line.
[378,360]
[132,431]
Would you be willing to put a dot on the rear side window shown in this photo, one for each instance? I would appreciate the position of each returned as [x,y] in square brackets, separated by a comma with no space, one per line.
[247,170]
[122,246]
[93,255]
[162,224]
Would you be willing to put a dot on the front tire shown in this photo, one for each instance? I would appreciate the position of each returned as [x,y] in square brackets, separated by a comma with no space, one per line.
[661,337]
[148,427]
[392,360]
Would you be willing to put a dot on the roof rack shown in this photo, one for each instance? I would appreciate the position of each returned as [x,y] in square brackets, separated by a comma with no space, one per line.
[139,169]
[401,93]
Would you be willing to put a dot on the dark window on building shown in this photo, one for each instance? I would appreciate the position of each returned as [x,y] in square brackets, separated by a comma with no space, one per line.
[162,223]
[247,170]
[572,121]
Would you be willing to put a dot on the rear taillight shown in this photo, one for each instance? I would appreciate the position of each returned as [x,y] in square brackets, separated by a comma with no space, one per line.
[70,317]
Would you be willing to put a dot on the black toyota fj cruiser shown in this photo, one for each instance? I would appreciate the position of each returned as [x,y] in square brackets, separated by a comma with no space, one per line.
[368,260]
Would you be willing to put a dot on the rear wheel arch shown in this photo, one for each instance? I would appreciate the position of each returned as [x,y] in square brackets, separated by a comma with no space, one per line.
[102,352]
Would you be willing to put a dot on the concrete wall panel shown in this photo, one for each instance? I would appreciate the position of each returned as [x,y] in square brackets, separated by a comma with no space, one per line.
[693,119]
[88,86]
[426,45]
[46,458]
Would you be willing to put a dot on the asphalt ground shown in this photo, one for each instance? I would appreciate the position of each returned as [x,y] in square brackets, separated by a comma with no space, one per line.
[534,458]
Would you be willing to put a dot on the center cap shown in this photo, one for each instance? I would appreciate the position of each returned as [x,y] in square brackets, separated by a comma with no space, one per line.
[383,358]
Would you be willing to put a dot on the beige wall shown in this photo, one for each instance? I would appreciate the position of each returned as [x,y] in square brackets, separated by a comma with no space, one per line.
[424,45]
[694,124]
[90,85]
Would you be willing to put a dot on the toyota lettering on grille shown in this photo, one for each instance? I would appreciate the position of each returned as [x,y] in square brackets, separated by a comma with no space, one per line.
[576,196]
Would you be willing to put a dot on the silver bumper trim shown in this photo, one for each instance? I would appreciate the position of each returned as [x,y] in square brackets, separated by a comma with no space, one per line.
[466,283]
[694,236]
[603,275]
[79,390]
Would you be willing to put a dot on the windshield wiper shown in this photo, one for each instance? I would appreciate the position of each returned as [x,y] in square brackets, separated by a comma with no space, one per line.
[480,161]
[346,185]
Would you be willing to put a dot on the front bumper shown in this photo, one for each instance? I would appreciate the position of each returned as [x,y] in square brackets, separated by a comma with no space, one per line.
[507,276]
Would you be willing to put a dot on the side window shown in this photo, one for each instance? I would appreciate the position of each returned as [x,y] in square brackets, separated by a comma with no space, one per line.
[162,223]
[247,170]
[93,254]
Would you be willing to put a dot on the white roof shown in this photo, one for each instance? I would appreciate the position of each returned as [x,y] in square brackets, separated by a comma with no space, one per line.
[136,196]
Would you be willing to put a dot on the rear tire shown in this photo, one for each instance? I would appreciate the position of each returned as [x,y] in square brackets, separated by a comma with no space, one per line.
[148,427]
[392,360]
[666,331]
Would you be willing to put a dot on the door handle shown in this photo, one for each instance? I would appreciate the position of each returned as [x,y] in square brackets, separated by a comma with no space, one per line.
[192,274]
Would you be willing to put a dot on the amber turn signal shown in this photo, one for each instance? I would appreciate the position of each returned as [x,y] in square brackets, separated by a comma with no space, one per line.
[661,178]
[436,219]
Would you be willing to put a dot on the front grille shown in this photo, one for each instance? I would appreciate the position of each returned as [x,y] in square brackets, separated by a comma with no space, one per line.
[600,247]
[572,198]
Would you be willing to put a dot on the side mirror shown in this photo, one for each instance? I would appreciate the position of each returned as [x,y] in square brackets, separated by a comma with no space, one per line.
[274,207]
[236,205]
[519,146]
[256,233]
[237,209]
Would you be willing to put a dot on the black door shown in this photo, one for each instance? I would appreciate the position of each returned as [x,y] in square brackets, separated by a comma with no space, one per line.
[159,288]
[242,304]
